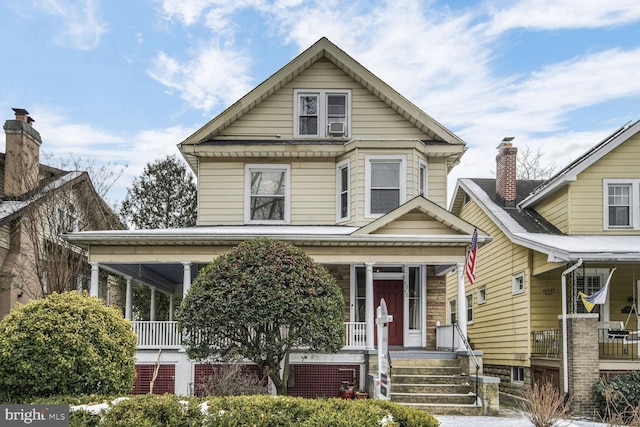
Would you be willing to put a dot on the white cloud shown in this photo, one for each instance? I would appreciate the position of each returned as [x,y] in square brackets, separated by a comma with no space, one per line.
[81,25]
[562,14]
[214,77]
[64,139]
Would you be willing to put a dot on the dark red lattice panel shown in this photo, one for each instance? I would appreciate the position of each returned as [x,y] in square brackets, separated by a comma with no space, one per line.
[321,380]
[203,371]
[165,381]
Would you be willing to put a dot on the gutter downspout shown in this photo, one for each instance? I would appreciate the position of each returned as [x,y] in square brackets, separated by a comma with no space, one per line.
[565,362]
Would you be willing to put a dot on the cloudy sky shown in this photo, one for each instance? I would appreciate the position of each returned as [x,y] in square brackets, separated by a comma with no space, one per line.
[124,82]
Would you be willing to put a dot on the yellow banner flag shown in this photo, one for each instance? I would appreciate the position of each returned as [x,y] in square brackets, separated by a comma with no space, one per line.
[588,305]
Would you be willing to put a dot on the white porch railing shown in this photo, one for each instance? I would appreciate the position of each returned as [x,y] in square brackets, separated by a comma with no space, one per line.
[157,334]
[165,335]
[446,338]
[355,335]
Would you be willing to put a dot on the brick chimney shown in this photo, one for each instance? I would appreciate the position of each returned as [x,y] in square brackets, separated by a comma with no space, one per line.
[506,173]
[22,154]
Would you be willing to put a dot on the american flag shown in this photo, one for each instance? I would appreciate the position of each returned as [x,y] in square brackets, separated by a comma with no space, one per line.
[470,267]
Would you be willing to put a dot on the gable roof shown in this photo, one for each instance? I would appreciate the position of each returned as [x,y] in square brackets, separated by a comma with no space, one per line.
[323,48]
[571,171]
[13,207]
[527,228]
[429,209]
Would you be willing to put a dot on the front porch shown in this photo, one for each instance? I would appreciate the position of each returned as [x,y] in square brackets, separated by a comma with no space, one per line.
[615,343]
[165,335]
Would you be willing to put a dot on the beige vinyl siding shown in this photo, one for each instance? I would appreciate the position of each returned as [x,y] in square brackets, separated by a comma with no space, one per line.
[221,192]
[437,181]
[500,325]
[586,213]
[313,193]
[370,117]
[415,223]
[555,209]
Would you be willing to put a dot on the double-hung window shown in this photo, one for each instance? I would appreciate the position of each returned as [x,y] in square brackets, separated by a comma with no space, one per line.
[267,194]
[322,113]
[385,184]
[422,177]
[619,207]
[342,186]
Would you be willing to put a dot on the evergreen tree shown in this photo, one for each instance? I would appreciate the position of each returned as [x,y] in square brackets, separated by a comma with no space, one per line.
[164,196]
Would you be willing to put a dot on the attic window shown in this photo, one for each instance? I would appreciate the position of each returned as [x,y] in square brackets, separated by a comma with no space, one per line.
[321,113]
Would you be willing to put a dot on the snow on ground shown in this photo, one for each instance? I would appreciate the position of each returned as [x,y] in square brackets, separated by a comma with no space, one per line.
[508,417]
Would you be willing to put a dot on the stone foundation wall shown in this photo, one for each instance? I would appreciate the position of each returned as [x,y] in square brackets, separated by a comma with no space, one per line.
[504,373]
[436,304]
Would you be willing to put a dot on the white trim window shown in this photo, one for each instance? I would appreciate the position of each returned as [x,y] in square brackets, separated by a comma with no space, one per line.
[621,204]
[482,295]
[453,311]
[385,184]
[517,374]
[470,308]
[422,179]
[517,284]
[267,194]
[321,113]
[343,191]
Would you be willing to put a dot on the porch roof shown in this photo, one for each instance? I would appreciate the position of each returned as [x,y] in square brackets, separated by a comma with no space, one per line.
[535,233]
[155,257]
[225,235]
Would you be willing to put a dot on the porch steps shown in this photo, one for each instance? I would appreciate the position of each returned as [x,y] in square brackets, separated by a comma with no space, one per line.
[436,385]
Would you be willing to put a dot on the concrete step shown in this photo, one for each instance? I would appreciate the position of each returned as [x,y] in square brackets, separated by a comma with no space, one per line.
[425,370]
[398,362]
[429,379]
[445,409]
[432,388]
[433,398]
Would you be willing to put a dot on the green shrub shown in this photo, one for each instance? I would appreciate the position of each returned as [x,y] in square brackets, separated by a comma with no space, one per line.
[255,411]
[83,419]
[65,344]
[154,411]
[406,417]
[618,398]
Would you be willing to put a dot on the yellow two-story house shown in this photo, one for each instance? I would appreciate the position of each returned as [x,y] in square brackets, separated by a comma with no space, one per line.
[324,155]
[554,241]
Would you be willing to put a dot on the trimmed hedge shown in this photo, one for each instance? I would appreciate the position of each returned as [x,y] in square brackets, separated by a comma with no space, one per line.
[65,344]
[257,411]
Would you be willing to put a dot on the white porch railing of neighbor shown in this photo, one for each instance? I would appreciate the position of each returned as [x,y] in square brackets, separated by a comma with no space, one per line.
[165,335]
[446,338]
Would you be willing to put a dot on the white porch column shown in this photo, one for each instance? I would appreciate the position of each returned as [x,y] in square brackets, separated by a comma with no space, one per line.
[128,299]
[462,304]
[95,279]
[152,305]
[369,305]
[186,281]
[171,302]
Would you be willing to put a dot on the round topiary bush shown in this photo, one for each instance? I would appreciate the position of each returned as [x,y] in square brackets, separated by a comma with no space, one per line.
[65,344]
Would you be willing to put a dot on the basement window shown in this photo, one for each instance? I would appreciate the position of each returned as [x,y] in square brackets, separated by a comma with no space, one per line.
[517,374]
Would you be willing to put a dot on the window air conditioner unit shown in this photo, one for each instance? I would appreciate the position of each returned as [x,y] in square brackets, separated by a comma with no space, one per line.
[336,128]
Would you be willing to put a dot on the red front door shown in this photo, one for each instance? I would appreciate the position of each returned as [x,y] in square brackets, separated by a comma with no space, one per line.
[392,292]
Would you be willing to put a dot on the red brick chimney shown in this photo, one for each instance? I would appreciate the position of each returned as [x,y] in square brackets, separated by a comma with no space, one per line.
[506,173]
[22,154]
